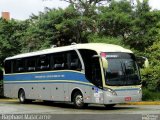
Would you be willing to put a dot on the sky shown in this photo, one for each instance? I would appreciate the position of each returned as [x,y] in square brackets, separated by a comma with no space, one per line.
[22,9]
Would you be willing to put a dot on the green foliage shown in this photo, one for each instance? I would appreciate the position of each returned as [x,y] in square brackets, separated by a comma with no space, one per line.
[115,19]
[150,95]
[104,39]
[41,32]
[144,27]
[9,38]
[151,76]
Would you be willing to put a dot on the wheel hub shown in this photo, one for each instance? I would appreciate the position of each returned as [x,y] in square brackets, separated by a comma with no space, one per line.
[79,100]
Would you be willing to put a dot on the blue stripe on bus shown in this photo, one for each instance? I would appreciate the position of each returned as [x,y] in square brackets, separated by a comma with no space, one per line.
[47,76]
[54,77]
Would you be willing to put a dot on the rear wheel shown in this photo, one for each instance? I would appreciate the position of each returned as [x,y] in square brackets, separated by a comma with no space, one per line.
[78,100]
[22,97]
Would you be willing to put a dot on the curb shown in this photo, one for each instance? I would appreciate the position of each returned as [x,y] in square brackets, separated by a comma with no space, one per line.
[144,103]
[130,103]
[8,100]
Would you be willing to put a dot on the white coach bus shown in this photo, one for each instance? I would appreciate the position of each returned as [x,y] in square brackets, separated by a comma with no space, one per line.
[80,73]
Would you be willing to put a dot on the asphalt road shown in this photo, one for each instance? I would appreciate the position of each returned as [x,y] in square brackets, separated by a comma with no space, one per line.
[61,111]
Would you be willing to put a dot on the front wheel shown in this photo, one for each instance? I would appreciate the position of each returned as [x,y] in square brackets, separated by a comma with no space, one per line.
[110,105]
[78,100]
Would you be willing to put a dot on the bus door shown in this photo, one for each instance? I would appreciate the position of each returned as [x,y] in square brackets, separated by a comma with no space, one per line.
[93,75]
[97,81]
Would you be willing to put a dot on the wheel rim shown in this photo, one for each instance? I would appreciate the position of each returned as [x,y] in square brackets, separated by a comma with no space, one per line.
[79,100]
[22,97]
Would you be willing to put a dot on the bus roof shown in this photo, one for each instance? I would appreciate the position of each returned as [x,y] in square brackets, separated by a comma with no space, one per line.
[99,47]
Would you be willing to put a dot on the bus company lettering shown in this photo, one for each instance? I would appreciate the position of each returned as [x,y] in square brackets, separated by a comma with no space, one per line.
[49,76]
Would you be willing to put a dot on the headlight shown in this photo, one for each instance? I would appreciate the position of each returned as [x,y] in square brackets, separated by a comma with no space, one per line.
[111,91]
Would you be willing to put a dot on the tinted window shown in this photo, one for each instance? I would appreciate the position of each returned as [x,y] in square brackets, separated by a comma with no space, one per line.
[65,61]
[8,68]
[59,61]
[56,61]
[30,64]
[43,62]
[122,69]
[20,65]
[74,61]
[92,67]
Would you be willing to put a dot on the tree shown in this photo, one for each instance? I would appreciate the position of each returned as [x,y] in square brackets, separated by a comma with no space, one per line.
[8,39]
[56,27]
[87,7]
[151,76]
[144,28]
[115,20]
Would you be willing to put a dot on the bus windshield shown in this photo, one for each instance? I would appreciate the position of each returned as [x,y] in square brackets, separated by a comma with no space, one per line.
[122,70]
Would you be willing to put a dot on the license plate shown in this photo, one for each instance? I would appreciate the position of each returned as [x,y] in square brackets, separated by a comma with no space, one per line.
[127,98]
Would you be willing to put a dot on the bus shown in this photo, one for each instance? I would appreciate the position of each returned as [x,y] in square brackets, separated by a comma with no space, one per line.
[80,73]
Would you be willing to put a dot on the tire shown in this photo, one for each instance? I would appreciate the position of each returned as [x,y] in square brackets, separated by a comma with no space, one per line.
[110,105]
[22,97]
[78,100]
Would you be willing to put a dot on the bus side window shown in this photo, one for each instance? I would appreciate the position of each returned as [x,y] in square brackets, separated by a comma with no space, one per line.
[43,63]
[31,62]
[74,61]
[8,66]
[14,66]
[20,65]
[60,61]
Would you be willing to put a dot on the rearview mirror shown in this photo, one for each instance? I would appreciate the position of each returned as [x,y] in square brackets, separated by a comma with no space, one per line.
[96,56]
[104,62]
[142,62]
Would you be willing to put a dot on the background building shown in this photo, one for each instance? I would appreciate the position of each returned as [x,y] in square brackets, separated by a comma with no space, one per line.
[6,15]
